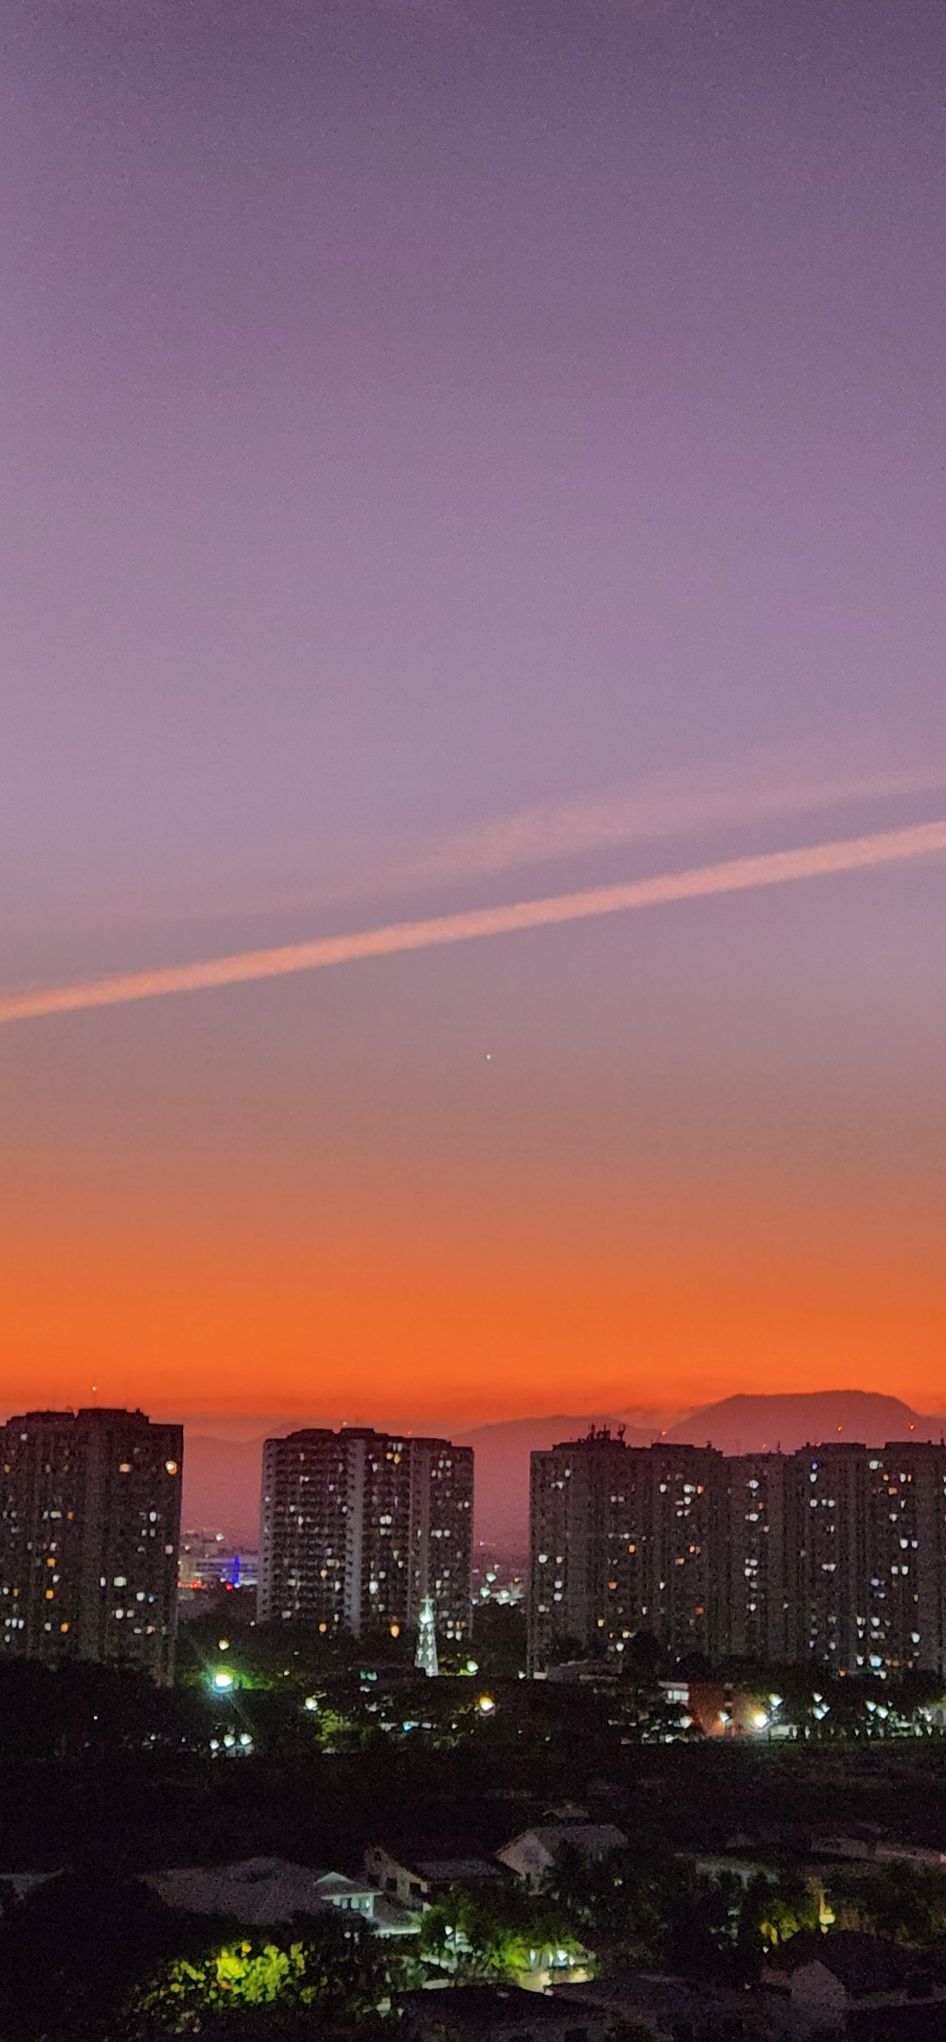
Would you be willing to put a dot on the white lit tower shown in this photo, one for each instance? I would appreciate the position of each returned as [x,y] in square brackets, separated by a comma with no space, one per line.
[425,1658]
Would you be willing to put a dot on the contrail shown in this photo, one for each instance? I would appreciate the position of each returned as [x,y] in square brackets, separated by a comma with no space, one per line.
[772,868]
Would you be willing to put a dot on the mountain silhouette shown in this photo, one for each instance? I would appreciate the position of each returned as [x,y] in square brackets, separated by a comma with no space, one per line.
[750,1424]
[222,1476]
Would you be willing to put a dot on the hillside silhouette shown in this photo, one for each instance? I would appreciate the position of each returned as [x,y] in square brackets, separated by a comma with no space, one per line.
[221,1485]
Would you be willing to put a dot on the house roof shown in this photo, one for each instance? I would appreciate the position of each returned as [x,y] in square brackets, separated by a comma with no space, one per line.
[330,1883]
[861,1963]
[477,2004]
[256,1890]
[589,1838]
[431,1861]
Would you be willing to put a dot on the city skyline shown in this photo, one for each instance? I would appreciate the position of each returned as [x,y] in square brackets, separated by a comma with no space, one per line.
[460,458]
[830,1554]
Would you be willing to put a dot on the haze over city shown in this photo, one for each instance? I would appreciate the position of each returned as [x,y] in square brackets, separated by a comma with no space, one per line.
[462,456]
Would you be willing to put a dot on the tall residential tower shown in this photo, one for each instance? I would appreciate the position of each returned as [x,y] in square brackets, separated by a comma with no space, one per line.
[90,1507]
[623,1540]
[834,1555]
[358,1527]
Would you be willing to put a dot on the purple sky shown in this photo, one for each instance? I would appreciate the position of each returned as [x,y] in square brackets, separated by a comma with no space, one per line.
[419,414]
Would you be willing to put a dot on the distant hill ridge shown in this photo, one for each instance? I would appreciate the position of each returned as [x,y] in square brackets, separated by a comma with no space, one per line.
[750,1424]
[221,1476]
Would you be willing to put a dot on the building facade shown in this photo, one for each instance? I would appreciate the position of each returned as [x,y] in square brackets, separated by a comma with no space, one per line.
[907,1608]
[834,1555]
[759,1578]
[623,1540]
[90,1506]
[358,1527]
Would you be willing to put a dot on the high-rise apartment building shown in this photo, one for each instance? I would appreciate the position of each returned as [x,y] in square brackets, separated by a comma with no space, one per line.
[831,1506]
[759,1577]
[358,1527]
[834,1555]
[684,1530]
[584,1534]
[90,1506]
[622,1540]
[907,1558]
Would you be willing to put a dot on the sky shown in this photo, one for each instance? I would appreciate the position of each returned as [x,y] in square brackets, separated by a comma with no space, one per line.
[458,454]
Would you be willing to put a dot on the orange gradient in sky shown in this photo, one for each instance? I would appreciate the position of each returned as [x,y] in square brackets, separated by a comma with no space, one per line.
[559,1316]
[702,1155]
[461,469]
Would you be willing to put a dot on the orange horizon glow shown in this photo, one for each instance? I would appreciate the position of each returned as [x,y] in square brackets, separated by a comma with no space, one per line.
[536,1335]
[687,1168]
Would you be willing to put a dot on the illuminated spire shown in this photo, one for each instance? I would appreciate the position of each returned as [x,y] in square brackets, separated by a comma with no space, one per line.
[426,1655]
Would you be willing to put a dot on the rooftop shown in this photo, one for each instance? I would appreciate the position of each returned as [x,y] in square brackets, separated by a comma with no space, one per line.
[579,1836]
[476,2004]
[861,1963]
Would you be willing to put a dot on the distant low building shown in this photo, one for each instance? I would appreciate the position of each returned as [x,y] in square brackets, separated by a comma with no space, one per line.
[499,2013]
[720,1709]
[415,1878]
[209,1562]
[265,1892]
[593,1673]
[835,1981]
[664,2008]
[532,1855]
[415,1882]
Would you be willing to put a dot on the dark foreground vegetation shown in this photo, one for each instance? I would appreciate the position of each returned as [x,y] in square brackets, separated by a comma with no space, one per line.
[103,1778]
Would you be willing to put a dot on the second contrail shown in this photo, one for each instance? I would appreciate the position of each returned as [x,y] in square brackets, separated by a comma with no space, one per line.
[773,868]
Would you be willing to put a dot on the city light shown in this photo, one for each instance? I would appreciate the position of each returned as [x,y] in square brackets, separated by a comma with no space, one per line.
[486,1705]
[222,1680]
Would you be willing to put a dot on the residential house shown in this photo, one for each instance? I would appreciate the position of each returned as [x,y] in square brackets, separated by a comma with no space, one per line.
[499,2013]
[533,1854]
[413,1878]
[833,1981]
[263,1892]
